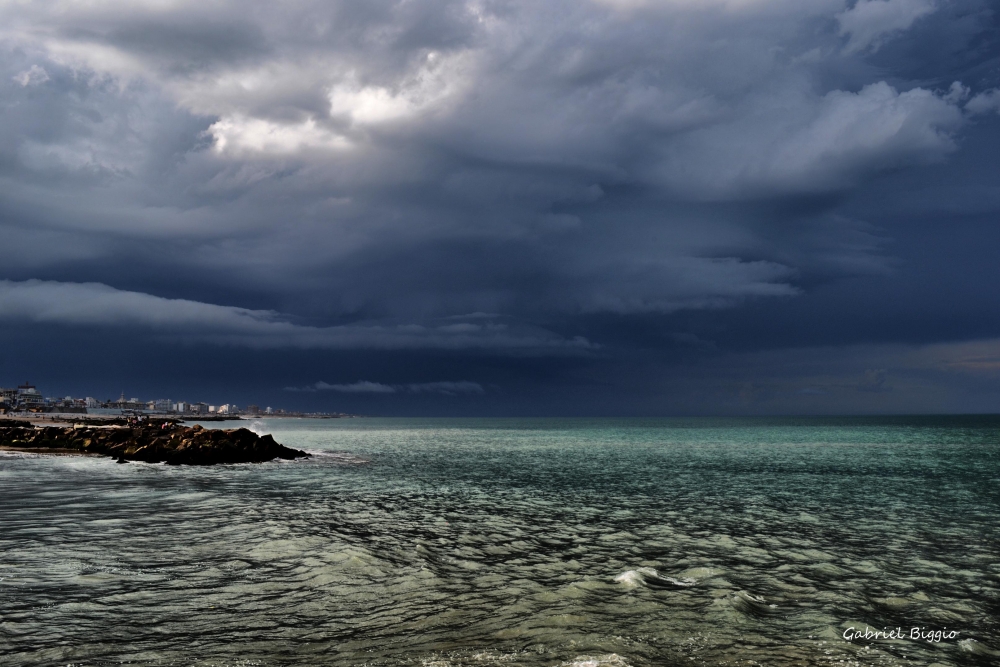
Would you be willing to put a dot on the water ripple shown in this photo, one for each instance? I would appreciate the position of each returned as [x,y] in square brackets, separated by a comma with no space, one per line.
[547,543]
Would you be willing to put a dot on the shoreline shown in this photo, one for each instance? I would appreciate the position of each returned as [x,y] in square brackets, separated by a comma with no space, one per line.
[48,450]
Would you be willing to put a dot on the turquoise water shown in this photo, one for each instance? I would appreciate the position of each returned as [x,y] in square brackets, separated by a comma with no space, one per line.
[518,542]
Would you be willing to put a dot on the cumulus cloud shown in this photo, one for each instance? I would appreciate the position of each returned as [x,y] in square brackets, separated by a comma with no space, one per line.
[566,86]
[238,134]
[984,102]
[870,22]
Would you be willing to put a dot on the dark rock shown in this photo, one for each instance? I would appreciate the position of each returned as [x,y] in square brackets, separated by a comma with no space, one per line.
[153,444]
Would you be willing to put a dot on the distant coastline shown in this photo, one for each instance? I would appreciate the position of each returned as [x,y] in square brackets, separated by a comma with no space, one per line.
[26,399]
[70,419]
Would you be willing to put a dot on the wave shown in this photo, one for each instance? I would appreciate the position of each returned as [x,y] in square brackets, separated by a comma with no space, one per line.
[609,660]
[493,657]
[978,651]
[344,458]
[753,605]
[647,576]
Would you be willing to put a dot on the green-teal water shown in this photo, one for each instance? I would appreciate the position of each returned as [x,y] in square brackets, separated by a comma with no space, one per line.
[519,542]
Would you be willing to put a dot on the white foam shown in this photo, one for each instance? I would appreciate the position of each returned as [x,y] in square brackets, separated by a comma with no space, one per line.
[257,426]
[977,648]
[611,659]
[633,578]
[340,457]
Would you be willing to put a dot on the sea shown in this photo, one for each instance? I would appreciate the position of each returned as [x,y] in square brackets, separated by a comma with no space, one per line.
[542,542]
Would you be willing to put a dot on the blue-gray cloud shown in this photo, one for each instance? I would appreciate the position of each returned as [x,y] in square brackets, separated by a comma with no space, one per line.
[869,22]
[89,304]
[446,388]
[606,177]
[360,387]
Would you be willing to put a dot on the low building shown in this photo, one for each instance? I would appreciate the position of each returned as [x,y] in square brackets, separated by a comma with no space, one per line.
[29,398]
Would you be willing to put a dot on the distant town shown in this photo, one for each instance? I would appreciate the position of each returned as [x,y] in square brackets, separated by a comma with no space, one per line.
[26,398]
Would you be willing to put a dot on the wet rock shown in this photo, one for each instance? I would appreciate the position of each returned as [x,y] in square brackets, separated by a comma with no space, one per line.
[153,444]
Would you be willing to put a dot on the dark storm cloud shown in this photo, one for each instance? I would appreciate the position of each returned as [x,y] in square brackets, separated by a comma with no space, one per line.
[342,175]
[869,22]
[446,388]
[43,302]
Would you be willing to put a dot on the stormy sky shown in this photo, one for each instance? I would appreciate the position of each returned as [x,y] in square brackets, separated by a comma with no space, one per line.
[504,207]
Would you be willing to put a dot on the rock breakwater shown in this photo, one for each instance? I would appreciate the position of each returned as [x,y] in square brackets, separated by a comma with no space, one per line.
[174,445]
